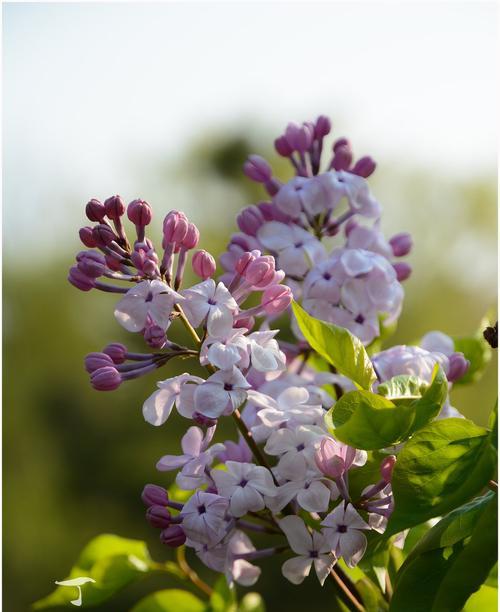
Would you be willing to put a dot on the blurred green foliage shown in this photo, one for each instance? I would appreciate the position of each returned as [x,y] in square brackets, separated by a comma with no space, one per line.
[76,460]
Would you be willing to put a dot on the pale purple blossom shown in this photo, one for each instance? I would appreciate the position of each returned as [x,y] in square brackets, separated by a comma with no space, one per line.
[204,517]
[210,302]
[343,531]
[178,390]
[221,393]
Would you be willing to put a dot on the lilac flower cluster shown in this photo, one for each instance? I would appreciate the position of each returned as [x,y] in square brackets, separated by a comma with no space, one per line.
[353,280]
[284,466]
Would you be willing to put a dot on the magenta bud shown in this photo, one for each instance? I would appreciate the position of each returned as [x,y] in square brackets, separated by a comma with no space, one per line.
[304,137]
[342,158]
[386,468]
[116,351]
[282,147]
[327,460]
[154,495]
[103,235]
[244,261]
[173,536]
[323,126]
[271,212]
[139,212]
[106,379]
[340,142]
[245,323]
[113,263]
[95,210]
[459,366]
[204,421]
[175,227]
[80,280]
[364,167]
[158,516]
[401,244]
[155,336]
[203,264]
[260,271]
[115,207]
[257,169]
[87,237]
[91,263]
[276,299]
[250,220]
[403,270]
[192,237]
[94,361]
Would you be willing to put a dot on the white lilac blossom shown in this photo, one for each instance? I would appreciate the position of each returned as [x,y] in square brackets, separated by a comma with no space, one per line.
[204,517]
[310,549]
[221,393]
[343,531]
[244,484]
[295,448]
[213,303]
[176,391]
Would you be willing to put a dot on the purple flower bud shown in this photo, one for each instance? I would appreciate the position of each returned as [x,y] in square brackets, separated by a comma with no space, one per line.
[80,280]
[271,212]
[276,299]
[403,270]
[173,536]
[154,495]
[341,142]
[94,361]
[323,126]
[260,271]
[342,158]
[86,237]
[386,468]
[250,220]
[243,262]
[106,379]
[116,351]
[91,263]
[103,235]
[155,336]
[364,167]
[458,367]
[203,264]
[175,227]
[204,421]
[113,262]
[401,244]
[158,516]
[282,147]
[328,460]
[349,226]
[245,322]
[139,212]
[95,210]
[304,137]
[257,169]
[115,207]
[192,237]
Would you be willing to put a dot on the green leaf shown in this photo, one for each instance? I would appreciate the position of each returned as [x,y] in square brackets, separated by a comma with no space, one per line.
[170,600]
[429,405]
[338,346]
[441,467]
[485,600]
[223,598]
[448,564]
[368,421]
[373,599]
[252,602]
[112,561]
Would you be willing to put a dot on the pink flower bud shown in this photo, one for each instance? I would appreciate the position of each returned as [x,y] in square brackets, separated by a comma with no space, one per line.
[106,379]
[155,336]
[175,227]
[91,263]
[245,323]
[386,468]
[342,158]
[260,271]
[250,220]
[403,270]
[282,147]
[173,536]
[116,351]
[257,169]
[192,237]
[276,299]
[86,237]
[103,235]
[94,361]
[203,264]
[340,142]
[113,262]
[95,210]
[458,367]
[115,207]
[401,244]
[323,126]
[364,167]
[158,516]
[327,460]
[80,280]
[244,261]
[139,212]
[349,226]
[154,495]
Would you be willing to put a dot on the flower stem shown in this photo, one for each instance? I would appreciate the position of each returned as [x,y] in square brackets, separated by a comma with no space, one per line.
[190,573]
[345,594]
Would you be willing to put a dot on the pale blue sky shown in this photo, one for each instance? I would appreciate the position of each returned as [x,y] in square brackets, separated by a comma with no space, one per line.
[93,90]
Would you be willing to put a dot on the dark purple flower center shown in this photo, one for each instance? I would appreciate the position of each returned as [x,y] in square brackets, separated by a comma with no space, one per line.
[212,302]
[228,387]
[149,297]
[313,554]
[300,447]
[298,245]
[243,483]
[342,529]
[360,319]
[327,276]
[202,509]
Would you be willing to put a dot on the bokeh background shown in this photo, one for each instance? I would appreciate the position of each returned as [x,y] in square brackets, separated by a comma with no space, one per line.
[164,102]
